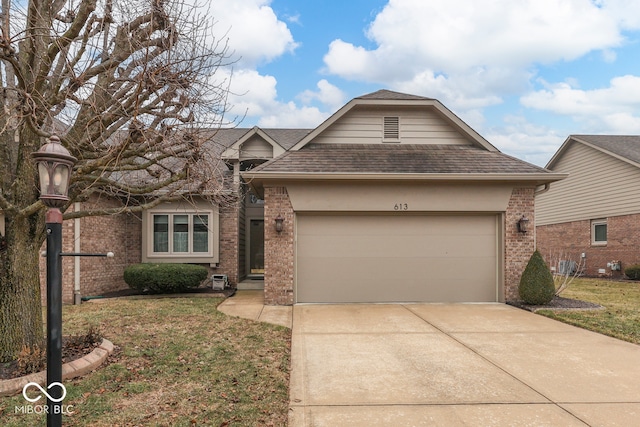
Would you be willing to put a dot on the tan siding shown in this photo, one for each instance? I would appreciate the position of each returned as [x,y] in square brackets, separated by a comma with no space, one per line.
[256,148]
[417,126]
[598,186]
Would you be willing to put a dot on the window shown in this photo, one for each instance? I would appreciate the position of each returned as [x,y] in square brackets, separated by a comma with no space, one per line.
[599,232]
[181,234]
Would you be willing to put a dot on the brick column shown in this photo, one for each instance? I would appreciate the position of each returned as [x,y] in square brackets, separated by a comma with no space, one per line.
[518,246]
[229,242]
[278,248]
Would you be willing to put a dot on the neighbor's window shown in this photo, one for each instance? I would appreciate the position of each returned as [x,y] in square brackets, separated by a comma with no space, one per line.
[599,232]
[181,233]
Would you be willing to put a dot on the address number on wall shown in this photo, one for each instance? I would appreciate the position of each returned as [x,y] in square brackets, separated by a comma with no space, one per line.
[401,207]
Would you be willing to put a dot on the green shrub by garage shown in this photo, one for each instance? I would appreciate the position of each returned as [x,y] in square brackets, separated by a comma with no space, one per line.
[164,278]
[633,272]
[536,284]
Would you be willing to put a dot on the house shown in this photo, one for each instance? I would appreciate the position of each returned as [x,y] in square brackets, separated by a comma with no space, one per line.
[592,218]
[392,199]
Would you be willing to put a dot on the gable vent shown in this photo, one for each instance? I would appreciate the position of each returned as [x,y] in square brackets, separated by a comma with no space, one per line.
[391,131]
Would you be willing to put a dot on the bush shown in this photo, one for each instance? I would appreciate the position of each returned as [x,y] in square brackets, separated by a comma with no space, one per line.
[536,284]
[633,272]
[164,278]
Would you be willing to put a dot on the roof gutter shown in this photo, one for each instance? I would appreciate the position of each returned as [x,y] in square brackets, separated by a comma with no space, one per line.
[540,178]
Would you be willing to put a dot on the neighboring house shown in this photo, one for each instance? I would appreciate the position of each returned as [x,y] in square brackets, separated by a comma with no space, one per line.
[592,218]
[393,198]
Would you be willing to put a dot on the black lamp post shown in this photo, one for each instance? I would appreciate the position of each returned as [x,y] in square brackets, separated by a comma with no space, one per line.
[54,168]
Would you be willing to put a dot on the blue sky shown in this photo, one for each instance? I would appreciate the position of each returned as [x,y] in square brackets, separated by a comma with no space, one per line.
[524,74]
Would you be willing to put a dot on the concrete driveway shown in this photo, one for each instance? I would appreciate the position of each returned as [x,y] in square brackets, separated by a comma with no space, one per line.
[456,364]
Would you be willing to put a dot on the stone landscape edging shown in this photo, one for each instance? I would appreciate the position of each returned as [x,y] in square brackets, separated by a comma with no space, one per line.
[73,369]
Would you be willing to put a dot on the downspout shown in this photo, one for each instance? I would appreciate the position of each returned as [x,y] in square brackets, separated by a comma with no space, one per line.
[546,188]
[77,298]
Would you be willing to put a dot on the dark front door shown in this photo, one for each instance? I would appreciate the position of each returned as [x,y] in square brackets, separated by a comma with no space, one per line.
[256,246]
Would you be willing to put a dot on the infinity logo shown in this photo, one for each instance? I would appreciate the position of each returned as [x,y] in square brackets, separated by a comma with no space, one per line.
[52,399]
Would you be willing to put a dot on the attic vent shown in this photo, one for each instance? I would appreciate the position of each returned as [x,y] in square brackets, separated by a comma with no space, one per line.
[391,131]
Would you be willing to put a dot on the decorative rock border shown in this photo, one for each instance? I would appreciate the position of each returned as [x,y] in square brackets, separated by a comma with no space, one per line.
[73,369]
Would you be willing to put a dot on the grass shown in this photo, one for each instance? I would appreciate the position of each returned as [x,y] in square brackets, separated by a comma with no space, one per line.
[178,362]
[621,301]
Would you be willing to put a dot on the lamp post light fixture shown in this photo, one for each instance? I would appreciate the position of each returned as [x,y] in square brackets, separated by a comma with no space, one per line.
[279,223]
[54,169]
[523,224]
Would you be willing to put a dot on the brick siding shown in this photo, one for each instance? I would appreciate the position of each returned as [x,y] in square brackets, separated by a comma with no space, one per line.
[228,261]
[518,246]
[278,269]
[122,235]
[568,241]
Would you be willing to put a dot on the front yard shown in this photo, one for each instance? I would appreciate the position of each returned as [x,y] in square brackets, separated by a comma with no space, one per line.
[178,362]
[621,301]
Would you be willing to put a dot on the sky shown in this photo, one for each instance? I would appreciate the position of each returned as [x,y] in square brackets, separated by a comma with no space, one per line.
[524,74]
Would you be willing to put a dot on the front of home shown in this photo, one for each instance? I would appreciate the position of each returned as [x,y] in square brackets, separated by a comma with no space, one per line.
[391,199]
[590,221]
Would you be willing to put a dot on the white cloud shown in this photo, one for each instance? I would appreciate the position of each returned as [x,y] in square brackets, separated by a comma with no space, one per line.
[472,53]
[327,94]
[255,33]
[289,115]
[612,109]
[533,143]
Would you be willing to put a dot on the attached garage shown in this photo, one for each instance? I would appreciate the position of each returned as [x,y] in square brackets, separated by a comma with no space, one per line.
[395,199]
[342,258]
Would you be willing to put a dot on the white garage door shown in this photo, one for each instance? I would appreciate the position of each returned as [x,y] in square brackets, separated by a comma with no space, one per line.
[393,258]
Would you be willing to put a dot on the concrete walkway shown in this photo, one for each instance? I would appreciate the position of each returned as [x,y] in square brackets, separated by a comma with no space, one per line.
[249,304]
[456,365]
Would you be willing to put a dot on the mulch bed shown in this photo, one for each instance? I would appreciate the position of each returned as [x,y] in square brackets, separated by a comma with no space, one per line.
[73,348]
[558,303]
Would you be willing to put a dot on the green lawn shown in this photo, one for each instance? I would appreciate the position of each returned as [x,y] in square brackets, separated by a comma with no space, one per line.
[619,319]
[178,362]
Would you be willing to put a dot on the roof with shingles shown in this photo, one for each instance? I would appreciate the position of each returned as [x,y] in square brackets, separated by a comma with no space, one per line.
[286,138]
[396,159]
[391,95]
[626,146]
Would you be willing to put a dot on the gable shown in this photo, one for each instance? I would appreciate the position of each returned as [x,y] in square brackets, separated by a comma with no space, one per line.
[256,148]
[377,125]
[598,185]
[419,120]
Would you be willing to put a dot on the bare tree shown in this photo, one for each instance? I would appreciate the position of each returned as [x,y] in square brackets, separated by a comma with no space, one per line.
[565,268]
[128,86]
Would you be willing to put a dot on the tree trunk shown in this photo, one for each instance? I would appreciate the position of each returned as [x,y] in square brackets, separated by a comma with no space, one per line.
[20,303]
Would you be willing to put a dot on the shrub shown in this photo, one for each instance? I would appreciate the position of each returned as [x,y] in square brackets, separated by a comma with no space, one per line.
[164,278]
[633,272]
[536,284]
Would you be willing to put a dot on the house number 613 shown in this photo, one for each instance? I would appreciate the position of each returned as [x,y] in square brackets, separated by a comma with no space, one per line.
[400,207]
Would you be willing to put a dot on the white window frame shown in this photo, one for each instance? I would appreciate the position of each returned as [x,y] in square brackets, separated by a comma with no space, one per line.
[598,222]
[171,210]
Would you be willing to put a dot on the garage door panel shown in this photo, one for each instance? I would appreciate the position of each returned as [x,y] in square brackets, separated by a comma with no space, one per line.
[354,246]
[377,258]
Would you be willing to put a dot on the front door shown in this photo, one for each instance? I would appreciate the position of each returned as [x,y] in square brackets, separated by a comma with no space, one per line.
[256,246]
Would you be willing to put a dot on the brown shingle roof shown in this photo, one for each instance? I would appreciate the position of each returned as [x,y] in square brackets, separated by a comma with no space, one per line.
[396,159]
[627,146]
[391,95]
